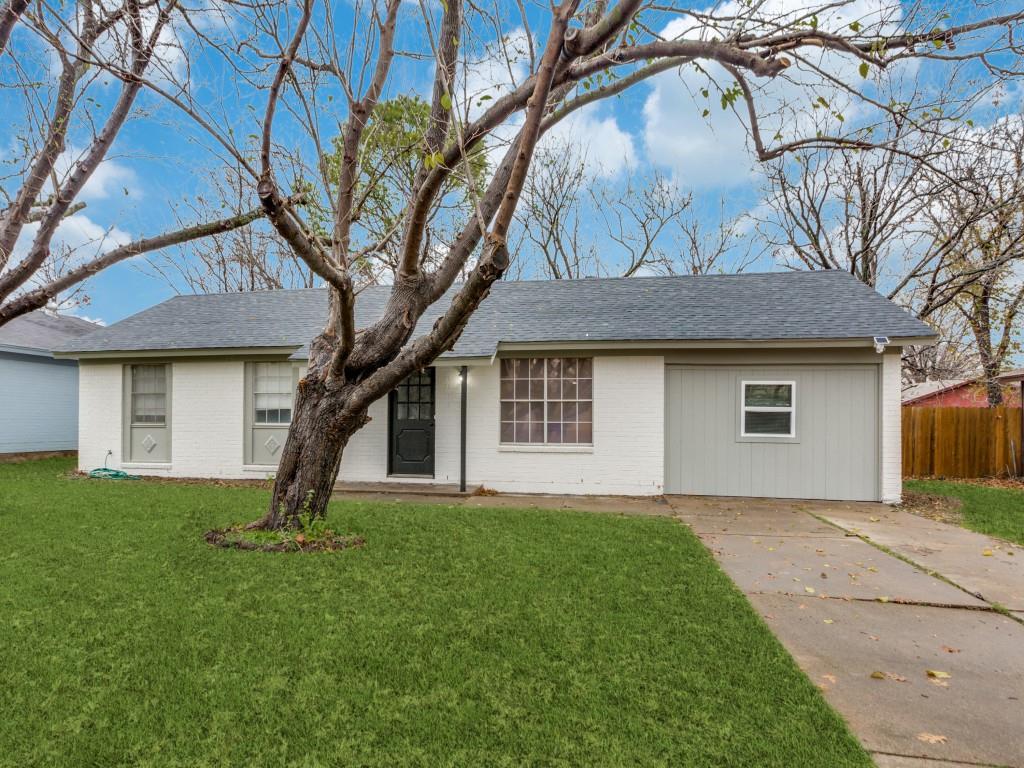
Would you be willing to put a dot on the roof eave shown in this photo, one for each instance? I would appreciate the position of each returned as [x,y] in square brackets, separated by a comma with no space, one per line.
[860,342]
[165,353]
[15,349]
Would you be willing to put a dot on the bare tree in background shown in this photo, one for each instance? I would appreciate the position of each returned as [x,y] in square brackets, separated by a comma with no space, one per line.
[982,276]
[90,44]
[582,54]
[252,258]
[577,224]
[934,227]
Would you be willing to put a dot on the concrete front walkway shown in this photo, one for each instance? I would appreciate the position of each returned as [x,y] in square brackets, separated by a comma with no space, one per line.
[913,654]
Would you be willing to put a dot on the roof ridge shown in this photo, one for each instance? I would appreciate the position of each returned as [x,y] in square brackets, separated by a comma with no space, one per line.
[557,281]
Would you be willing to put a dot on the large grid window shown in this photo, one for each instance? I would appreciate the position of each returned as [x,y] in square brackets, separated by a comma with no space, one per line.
[547,400]
[149,394]
[272,392]
[769,409]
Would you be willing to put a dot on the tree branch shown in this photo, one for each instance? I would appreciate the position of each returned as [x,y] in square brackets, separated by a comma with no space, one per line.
[39,297]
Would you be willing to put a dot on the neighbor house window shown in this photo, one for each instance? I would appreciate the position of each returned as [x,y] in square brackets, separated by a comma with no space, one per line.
[149,394]
[272,388]
[547,400]
[769,409]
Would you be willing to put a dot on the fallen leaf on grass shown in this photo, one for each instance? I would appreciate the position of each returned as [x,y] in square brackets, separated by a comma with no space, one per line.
[986,553]
[932,738]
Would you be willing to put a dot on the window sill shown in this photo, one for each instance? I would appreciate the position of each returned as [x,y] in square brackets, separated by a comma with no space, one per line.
[542,448]
[769,439]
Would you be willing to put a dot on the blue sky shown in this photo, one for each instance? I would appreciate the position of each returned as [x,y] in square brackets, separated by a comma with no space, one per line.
[160,158]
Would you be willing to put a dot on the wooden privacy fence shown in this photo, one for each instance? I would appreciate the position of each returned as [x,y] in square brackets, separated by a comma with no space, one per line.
[961,442]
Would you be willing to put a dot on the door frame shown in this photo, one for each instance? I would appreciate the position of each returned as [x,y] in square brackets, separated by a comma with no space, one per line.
[392,402]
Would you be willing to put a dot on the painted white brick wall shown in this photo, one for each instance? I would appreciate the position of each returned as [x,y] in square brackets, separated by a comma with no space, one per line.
[207,419]
[207,430]
[627,456]
[99,415]
[892,425]
[628,452]
[366,456]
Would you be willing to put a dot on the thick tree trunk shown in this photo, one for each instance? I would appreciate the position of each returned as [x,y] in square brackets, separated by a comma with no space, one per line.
[320,429]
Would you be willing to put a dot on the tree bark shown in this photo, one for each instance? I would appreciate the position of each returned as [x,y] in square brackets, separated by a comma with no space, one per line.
[322,424]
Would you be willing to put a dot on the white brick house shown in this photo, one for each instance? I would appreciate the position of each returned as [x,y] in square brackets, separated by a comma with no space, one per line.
[783,385]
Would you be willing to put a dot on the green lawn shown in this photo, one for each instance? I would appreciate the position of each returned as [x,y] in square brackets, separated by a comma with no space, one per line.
[993,511]
[456,637]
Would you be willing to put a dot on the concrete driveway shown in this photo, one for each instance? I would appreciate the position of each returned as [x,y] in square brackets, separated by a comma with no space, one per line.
[911,650]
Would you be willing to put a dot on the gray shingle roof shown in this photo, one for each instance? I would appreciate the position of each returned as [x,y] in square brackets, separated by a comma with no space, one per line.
[748,307]
[41,331]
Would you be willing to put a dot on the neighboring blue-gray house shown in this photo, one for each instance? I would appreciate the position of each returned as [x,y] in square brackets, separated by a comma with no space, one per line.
[39,394]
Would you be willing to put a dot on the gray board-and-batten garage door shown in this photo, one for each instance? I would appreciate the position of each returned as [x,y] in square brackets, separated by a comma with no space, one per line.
[804,432]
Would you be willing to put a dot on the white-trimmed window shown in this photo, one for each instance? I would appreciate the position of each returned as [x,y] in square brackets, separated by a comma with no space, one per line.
[547,400]
[272,392]
[768,409]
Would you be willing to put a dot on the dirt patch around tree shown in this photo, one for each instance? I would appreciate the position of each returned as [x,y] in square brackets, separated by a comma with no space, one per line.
[237,537]
[944,509]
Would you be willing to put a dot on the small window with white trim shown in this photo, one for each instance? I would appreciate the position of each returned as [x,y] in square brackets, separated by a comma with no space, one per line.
[769,409]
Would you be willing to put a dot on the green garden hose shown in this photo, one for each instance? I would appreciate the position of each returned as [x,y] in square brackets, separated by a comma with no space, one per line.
[104,473]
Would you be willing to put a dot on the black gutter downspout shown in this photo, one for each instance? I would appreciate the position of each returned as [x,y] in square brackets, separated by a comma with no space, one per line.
[463,377]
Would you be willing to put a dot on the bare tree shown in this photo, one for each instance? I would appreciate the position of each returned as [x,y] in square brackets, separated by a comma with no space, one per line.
[982,275]
[89,41]
[252,258]
[555,241]
[577,224]
[935,227]
[582,56]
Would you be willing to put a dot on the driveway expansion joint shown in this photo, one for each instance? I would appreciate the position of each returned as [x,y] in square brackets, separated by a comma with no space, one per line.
[890,601]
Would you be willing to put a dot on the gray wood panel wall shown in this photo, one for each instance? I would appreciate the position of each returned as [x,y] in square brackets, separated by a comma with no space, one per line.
[834,455]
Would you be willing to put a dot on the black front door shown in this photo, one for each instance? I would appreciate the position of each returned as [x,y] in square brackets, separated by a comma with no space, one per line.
[411,426]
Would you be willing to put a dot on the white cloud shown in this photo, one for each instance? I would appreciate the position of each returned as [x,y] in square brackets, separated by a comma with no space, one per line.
[80,233]
[97,320]
[606,148]
[78,237]
[111,179]
[502,65]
